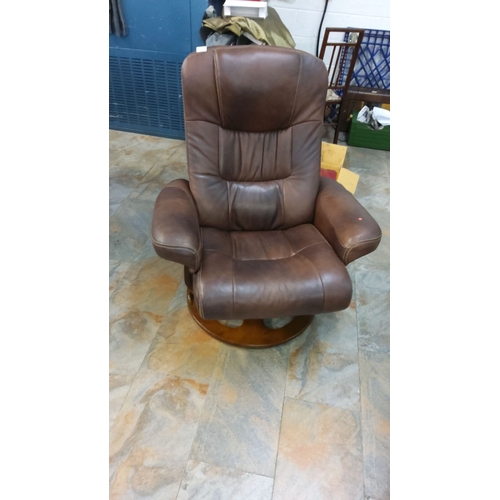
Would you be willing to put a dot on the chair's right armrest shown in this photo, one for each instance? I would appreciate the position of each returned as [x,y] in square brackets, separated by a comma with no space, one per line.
[346,225]
[176,230]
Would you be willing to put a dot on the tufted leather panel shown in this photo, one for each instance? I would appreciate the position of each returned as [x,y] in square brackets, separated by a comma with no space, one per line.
[252,157]
[267,274]
[253,160]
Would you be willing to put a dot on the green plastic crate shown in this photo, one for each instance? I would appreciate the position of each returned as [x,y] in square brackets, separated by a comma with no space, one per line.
[363,136]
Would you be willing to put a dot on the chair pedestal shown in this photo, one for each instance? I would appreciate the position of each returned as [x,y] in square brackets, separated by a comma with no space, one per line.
[253,333]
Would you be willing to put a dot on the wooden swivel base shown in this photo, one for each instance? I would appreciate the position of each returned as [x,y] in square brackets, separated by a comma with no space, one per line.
[253,333]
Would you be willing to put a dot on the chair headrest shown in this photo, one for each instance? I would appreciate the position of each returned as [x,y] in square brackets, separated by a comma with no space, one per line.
[254,88]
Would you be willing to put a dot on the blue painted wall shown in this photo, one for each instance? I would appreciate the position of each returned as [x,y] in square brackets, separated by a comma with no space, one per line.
[145,95]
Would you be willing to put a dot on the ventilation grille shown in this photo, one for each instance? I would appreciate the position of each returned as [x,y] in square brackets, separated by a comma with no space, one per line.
[145,95]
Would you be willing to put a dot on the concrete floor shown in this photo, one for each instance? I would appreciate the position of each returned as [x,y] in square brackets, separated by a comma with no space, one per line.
[191,418]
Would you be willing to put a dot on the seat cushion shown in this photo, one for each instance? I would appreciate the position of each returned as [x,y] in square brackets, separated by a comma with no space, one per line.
[269,274]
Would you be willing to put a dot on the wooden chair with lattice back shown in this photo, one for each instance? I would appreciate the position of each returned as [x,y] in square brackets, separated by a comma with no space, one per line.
[339,52]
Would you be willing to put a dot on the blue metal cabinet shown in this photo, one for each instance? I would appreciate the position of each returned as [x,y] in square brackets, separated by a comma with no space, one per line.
[145,94]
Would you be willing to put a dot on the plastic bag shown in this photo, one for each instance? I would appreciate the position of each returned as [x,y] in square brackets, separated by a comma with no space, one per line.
[376,118]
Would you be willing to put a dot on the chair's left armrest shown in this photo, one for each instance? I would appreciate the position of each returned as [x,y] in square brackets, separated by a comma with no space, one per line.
[176,231]
[345,224]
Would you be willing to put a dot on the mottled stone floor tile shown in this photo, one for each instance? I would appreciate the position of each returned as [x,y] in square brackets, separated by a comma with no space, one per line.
[120,140]
[336,331]
[130,336]
[208,482]
[117,270]
[372,191]
[129,330]
[120,187]
[179,327]
[171,165]
[147,252]
[322,377]
[166,170]
[129,228]
[178,302]
[119,386]
[152,435]
[374,374]
[368,161]
[380,258]
[239,427]
[116,135]
[324,363]
[372,166]
[382,216]
[320,453]
[147,286]
[373,306]
[154,142]
[151,189]
[113,156]
[137,154]
[180,346]
[135,163]
[194,359]
[190,353]
[176,153]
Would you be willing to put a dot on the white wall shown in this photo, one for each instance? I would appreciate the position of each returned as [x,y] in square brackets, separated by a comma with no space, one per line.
[302,17]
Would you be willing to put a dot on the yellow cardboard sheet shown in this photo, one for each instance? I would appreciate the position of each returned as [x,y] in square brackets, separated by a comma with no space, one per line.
[332,160]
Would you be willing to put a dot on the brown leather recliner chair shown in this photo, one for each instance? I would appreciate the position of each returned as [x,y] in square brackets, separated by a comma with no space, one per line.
[260,234]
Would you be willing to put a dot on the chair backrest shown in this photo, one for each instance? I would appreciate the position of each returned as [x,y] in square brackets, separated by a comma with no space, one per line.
[373,66]
[340,55]
[254,121]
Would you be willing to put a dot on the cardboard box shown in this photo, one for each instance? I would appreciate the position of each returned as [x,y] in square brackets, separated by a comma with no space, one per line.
[332,161]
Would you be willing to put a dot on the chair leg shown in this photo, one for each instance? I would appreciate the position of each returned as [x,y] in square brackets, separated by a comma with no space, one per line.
[344,113]
[336,135]
[253,333]
[339,123]
[328,110]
